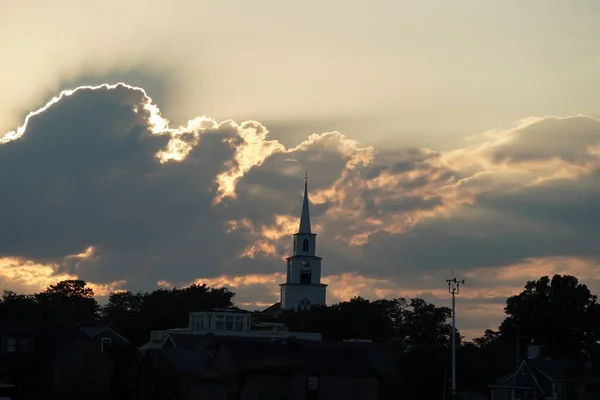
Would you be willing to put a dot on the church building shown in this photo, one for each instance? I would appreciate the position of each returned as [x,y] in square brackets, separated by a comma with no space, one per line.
[303,287]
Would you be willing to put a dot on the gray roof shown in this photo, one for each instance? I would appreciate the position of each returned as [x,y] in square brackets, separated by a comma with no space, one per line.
[471,396]
[188,361]
[274,309]
[93,330]
[152,344]
[379,354]
[310,359]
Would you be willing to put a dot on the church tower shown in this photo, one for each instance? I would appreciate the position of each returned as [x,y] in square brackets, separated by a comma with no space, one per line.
[303,287]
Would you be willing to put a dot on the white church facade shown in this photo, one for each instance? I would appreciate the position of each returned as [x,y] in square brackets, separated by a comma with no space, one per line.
[303,288]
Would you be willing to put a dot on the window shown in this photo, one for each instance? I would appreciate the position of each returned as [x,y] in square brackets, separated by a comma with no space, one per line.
[105,344]
[220,322]
[304,305]
[234,389]
[234,385]
[502,394]
[11,344]
[305,276]
[313,383]
[229,322]
[239,323]
[26,344]
[305,245]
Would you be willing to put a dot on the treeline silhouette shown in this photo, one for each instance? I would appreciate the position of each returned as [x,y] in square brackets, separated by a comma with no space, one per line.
[132,315]
[558,313]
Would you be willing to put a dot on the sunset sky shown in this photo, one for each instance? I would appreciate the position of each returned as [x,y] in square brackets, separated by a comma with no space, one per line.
[439,136]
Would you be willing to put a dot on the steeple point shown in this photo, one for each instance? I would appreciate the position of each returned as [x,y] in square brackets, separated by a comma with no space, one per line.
[305,216]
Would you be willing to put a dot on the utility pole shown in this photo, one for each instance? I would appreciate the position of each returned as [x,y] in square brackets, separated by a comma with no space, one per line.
[518,339]
[453,289]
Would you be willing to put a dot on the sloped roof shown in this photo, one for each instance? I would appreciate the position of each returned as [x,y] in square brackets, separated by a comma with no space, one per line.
[471,396]
[93,330]
[525,377]
[187,341]
[51,340]
[519,382]
[188,361]
[274,309]
[327,360]
[152,344]
[379,354]
[573,368]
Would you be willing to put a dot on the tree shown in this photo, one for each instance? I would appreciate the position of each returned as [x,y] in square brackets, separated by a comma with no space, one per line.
[18,306]
[560,314]
[489,337]
[69,301]
[134,315]
[425,324]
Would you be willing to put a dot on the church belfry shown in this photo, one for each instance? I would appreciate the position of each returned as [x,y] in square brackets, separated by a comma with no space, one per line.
[303,287]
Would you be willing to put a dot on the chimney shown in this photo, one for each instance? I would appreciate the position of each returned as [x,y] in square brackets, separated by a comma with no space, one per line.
[533,351]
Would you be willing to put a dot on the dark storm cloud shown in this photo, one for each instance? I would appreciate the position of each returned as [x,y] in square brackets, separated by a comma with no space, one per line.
[85,173]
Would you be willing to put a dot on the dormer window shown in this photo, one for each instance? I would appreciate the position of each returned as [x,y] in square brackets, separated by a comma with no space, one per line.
[305,245]
[11,344]
[105,344]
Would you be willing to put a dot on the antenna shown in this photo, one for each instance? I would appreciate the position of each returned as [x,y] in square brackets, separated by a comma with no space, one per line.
[454,289]
[306,176]
[518,339]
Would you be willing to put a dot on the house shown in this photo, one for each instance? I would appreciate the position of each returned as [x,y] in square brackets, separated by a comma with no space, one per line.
[53,360]
[105,337]
[181,374]
[542,378]
[233,367]
[125,359]
[289,369]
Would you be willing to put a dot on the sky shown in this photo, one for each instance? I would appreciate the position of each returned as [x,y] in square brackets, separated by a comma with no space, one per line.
[439,137]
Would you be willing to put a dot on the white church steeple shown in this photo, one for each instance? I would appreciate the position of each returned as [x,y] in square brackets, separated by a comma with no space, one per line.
[303,287]
[305,216]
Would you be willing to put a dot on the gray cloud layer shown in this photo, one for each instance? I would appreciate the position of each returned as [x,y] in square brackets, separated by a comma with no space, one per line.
[85,173]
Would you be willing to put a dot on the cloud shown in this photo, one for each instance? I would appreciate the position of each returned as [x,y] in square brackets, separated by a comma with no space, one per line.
[99,185]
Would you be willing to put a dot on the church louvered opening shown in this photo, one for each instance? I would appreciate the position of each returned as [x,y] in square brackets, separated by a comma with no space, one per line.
[305,245]
[305,277]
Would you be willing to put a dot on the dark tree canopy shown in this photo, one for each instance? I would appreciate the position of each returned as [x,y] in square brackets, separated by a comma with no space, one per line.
[136,314]
[416,322]
[69,301]
[133,315]
[559,313]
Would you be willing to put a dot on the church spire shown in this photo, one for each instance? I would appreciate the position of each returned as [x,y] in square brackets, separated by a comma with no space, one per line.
[305,216]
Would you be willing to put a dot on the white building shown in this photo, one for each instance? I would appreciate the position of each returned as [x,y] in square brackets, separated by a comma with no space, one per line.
[229,322]
[303,287]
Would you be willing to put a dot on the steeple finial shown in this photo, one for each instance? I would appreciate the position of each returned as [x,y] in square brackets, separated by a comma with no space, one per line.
[305,216]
